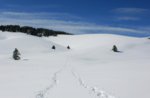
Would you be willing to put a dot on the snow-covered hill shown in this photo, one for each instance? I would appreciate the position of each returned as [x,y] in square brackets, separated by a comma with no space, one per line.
[88,70]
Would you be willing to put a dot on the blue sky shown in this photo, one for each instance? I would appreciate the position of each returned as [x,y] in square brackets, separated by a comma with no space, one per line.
[127,17]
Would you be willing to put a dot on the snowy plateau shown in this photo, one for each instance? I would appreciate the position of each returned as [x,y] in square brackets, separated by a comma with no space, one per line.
[90,69]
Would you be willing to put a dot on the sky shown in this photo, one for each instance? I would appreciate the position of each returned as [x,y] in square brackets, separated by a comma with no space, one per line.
[125,17]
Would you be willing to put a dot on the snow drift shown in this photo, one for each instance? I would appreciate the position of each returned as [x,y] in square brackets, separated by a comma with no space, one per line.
[88,70]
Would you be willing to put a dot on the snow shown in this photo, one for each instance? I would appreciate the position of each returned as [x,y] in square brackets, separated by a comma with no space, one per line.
[88,70]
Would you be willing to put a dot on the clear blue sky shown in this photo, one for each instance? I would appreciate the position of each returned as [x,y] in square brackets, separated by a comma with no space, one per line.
[132,16]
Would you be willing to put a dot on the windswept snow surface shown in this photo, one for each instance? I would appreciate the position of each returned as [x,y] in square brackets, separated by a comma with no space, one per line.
[88,70]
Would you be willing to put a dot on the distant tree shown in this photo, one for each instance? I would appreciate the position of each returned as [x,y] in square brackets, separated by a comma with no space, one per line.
[2,28]
[53,47]
[115,49]
[68,47]
[55,34]
[16,54]
[31,31]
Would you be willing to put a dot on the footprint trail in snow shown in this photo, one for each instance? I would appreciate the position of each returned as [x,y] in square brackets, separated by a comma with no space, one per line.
[99,93]
[54,79]
[42,93]
[95,90]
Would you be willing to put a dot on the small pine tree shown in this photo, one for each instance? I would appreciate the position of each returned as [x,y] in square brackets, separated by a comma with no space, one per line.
[16,54]
[68,47]
[115,49]
[53,47]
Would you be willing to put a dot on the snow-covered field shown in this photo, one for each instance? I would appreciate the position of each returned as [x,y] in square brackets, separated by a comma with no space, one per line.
[89,70]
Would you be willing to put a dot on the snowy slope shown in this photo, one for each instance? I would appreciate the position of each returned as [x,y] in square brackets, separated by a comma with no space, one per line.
[89,70]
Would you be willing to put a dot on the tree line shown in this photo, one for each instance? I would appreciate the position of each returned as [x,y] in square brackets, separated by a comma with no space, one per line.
[31,30]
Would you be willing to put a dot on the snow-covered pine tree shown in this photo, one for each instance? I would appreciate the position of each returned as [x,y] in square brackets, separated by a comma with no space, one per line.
[115,49]
[53,47]
[68,47]
[16,54]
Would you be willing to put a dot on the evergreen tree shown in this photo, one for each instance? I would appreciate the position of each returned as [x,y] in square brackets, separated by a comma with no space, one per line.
[31,30]
[53,47]
[115,49]
[16,54]
[68,47]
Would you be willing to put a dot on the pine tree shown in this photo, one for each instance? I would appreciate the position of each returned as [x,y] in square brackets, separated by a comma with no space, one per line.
[115,49]
[53,47]
[16,54]
[68,47]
